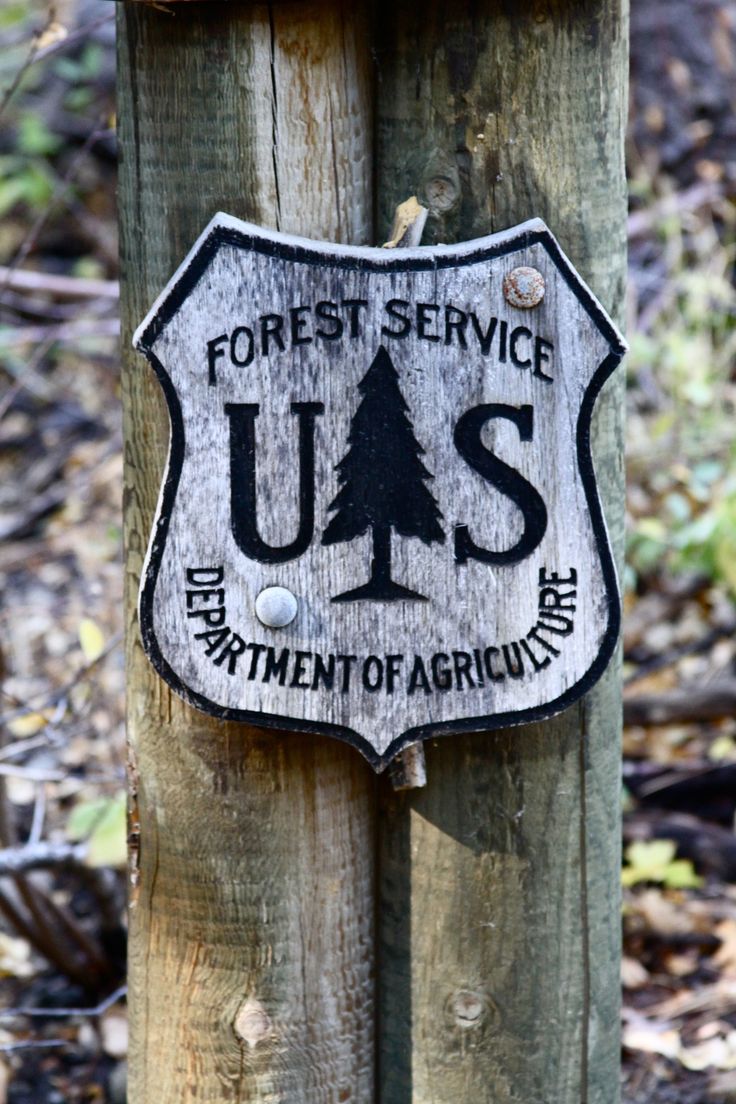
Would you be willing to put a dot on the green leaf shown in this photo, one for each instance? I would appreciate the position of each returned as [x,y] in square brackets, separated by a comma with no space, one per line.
[102,823]
[11,13]
[23,181]
[723,749]
[653,529]
[654,861]
[680,874]
[84,817]
[34,137]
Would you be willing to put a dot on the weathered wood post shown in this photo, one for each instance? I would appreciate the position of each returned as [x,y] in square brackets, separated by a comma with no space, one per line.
[499,903]
[252,913]
[448,388]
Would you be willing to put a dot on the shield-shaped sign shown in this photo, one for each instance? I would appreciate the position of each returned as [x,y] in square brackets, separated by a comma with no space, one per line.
[379,518]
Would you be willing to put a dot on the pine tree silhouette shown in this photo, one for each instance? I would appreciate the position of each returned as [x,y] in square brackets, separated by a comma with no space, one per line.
[382,482]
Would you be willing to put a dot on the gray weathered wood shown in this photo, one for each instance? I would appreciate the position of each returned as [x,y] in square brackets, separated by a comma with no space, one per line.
[251,898]
[499,906]
[493,598]
[409,769]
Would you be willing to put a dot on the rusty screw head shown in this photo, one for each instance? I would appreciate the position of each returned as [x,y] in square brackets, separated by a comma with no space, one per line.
[524,287]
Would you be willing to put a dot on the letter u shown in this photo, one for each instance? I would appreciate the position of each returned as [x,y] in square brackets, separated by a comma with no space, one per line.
[243,482]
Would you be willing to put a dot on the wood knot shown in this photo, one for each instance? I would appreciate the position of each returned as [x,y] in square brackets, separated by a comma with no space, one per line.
[252,1023]
[442,192]
[468,1008]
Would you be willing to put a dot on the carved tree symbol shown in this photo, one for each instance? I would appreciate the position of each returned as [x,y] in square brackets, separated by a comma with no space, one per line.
[382,482]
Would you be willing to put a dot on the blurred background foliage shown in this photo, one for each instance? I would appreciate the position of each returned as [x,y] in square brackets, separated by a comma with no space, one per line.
[62,753]
[681,444]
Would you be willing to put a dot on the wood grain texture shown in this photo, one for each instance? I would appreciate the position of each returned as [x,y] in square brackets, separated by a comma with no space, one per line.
[493,600]
[499,901]
[252,907]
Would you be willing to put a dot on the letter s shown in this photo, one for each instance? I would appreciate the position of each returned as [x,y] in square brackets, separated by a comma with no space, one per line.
[506,479]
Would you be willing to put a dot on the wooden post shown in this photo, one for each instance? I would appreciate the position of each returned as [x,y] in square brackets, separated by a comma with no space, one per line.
[252,899]
[499,904]
[252,902]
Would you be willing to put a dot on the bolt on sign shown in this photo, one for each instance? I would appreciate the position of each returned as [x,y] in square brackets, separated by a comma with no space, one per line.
[379,518]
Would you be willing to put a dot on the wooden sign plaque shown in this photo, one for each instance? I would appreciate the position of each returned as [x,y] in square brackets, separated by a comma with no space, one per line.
[379,518]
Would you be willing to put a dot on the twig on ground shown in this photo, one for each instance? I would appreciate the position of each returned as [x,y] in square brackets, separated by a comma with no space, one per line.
[33,1044]
[710,703]
[20,747]
[31,774]
[29,374]
[24,67]
[65,287]
[63,692]
[39,815]
[35,931]
[71,39]
[60,191]
[46,925]
[36,856]
[702,194]
[64,333]
[31,743]
[663,660]
[63,1013]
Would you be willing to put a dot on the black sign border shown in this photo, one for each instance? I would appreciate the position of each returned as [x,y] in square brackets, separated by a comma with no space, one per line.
[275,245]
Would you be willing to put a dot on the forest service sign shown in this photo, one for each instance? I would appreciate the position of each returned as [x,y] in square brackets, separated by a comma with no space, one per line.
[379,518]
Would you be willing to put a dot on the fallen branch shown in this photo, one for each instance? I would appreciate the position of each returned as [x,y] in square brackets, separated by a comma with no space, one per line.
[31,774]
[31,743]
[65,287]
[718,998]
[63,1013]
[65,332]
[710,703]
[36,703]
[32,1044]
[699,195]
[71,39]
[46,925]
[662,660]
[17,80]
[36,856]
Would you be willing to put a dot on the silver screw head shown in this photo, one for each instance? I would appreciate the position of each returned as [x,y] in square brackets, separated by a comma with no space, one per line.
[276,607]
[524,287]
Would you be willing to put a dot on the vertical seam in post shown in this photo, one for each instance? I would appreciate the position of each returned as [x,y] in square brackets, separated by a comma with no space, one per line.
[148,1017]
[274,115]
[124,15]
[348,234]
[584,916]
[334,169]
[375,843]
[375,75]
